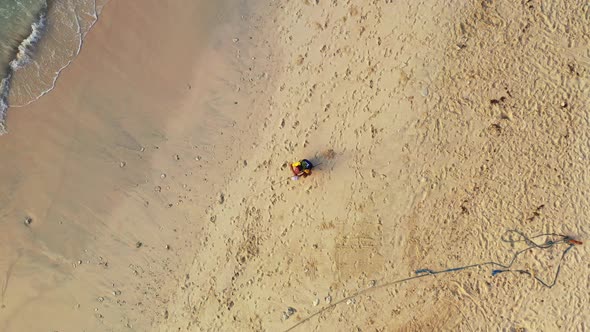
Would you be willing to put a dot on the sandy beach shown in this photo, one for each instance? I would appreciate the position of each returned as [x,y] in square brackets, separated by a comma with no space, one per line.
[151,190]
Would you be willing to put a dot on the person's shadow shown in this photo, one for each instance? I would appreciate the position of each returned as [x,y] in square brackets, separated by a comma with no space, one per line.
[323,160]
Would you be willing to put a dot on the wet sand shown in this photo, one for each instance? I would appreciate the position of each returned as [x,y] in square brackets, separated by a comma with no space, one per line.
[160,195]
[110,166]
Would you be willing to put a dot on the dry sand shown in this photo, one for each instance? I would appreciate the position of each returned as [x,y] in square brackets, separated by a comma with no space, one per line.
[450,122]
[436,127]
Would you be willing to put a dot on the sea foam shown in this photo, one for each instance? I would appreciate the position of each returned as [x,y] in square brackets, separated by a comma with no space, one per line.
[26,48]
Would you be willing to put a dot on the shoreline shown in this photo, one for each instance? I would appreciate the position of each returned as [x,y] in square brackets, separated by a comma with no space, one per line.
[21,58]
[27,54]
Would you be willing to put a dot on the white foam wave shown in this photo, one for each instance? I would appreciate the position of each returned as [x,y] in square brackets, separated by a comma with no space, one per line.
[25,49]
[22,58]
[4,88]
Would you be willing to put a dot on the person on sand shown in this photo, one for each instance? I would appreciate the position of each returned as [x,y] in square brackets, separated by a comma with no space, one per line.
[301,168]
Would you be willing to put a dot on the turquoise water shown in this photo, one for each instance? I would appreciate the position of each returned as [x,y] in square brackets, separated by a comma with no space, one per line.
[38,40]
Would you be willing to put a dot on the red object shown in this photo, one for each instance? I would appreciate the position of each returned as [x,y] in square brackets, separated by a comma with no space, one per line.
[295,170]
[572,241]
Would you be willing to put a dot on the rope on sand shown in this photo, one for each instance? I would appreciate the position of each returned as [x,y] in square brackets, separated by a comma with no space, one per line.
[421,273]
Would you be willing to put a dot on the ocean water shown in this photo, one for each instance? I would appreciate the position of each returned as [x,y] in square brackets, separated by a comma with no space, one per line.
[38,40]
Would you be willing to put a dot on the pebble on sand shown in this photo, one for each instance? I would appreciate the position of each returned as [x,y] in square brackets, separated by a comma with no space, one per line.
[176,157]
[290,311]
[328,299]
[316,302]
[163,175]
[28,221]
[424,91]
[122,164]
[138,244]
